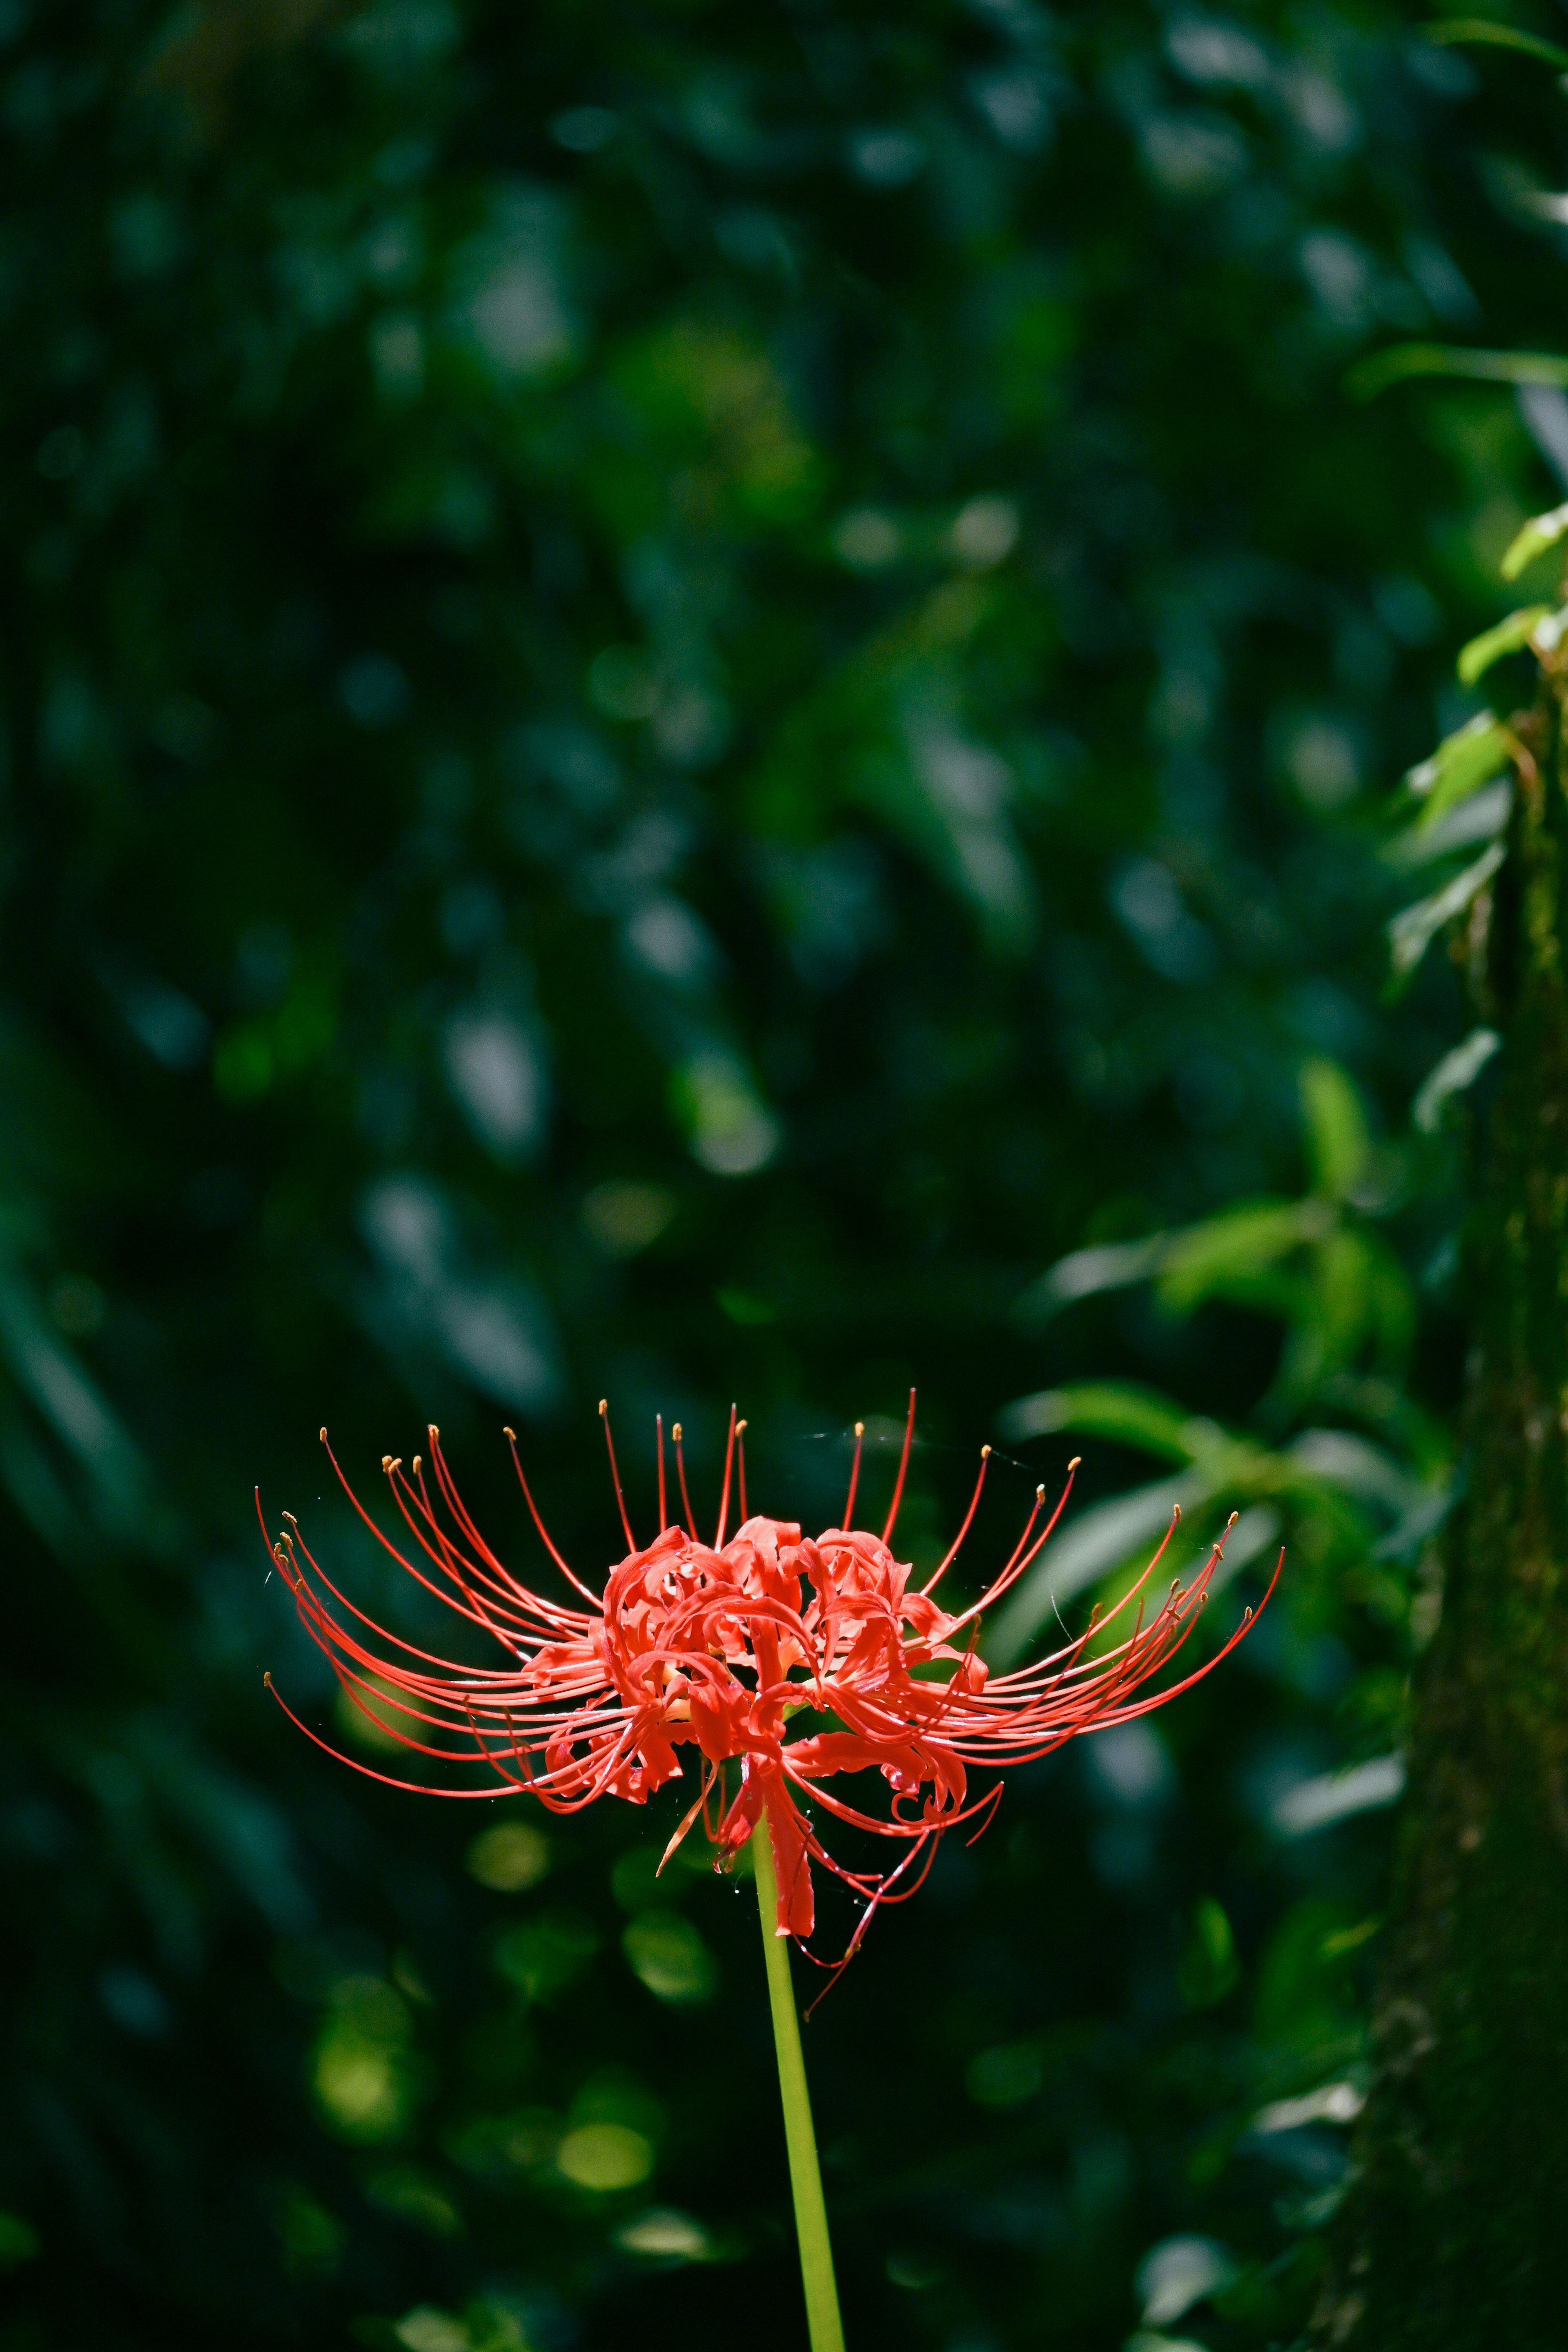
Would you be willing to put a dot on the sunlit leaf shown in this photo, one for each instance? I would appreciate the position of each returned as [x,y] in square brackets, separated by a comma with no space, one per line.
[1112,1266]
[1337,1139]
[1510,636]
[1541,532]
[1479,818]
[1242,1242]
[1399,361]
[1481,32]
[1115,1410]
[1412,931]
[1462,762]
[1458,1070]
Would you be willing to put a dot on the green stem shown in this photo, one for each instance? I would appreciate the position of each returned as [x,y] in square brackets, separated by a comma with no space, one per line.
[824,2325]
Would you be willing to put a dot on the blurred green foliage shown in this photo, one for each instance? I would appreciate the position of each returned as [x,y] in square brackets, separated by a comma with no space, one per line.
[691,699]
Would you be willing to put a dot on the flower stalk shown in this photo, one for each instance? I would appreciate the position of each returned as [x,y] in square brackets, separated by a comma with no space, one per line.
[824,2325]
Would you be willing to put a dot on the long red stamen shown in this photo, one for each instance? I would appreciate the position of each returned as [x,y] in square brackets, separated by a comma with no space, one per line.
[800,1662]
[903,1466]
[685,1496]
[968,1522]
[724,1497]
[615,1472]
[595,1599]
[854,1474]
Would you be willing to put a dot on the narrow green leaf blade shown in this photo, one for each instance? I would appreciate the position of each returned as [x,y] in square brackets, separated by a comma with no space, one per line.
[1414,928]
[1476,32]
[1510,636]
[1400,362]
[1083,1274]
[1542,531]
[1457,1069]
[1234,1247]
[1337,1139]
[1117,1411]
[1460,765]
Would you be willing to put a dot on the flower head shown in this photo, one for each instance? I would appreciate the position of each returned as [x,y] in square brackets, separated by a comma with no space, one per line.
[803,1660]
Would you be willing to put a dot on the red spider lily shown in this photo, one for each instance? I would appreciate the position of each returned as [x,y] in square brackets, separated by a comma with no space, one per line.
[725,1647]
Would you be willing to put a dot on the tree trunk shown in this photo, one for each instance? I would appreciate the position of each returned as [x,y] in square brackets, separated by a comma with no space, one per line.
[1454,2231]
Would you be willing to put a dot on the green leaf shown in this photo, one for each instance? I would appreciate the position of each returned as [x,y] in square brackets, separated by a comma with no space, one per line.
[1476,32]
[1337,1138]
[1510,636]
[1208,1968]
[1341,1300]
[1463,761]
[1412,931]
[1477,820]
[1379,370]
[1542,531]
[1119,1410]
[1456,1071]
[1083,1274]
[1236,1246]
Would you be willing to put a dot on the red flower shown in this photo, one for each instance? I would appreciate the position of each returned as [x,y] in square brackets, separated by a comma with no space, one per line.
[801,1659]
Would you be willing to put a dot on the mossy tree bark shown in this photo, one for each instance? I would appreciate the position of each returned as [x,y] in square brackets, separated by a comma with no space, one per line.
[1453,2234]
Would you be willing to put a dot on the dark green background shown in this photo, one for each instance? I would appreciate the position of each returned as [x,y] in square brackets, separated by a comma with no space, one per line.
[683,688]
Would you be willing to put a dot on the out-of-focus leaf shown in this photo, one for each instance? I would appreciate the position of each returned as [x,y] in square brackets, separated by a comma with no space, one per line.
[1541,532]
[1337,1139]
[1234,1252]
[1458,1068]
[1112,1266]
[1181,2271]
[1481,32]
[1243,1242]
[1355,1465]
[1399,361]
[67,1397]
[1330,1796]
[1115,1410]
[1412,929]
[1479,818]
[1462,762]
[1510,636]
